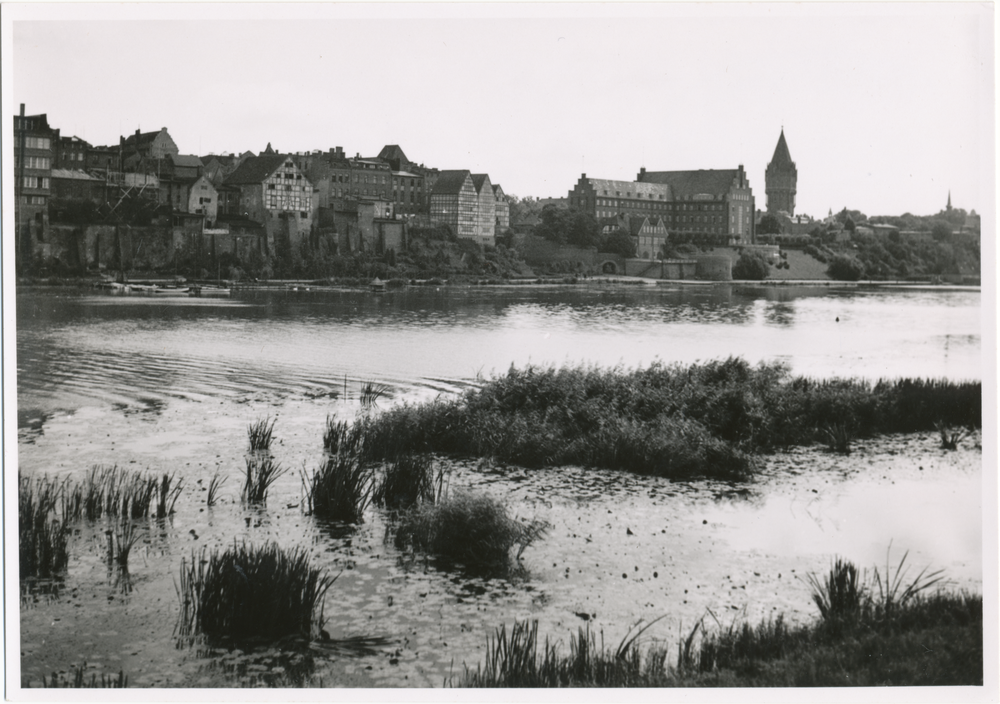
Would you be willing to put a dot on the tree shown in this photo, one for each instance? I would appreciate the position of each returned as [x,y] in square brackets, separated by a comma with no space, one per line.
[571,227]
[845,268]
[751,266]
[617,242]
[522,209]
[849,224]
[940,230]
[769,225]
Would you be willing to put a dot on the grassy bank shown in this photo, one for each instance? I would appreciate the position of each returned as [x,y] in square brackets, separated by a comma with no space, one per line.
[705,419]
[883,632]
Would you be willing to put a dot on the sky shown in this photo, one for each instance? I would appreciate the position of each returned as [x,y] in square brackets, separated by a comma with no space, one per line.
[885,108]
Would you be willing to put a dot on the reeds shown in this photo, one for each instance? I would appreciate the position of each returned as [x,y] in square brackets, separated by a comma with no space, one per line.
[950,438]
[703,419]
[251,592]
[472,529]
[513,659]
[80,680]
[214,484]
[121,538]
[341,437]
[408,481]
[261,473]
[260,433]
[340,489]
[42,538]
[117,492]
[371,392]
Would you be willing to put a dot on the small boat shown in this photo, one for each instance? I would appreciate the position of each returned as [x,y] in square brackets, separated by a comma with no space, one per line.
[377,285]
[208,292]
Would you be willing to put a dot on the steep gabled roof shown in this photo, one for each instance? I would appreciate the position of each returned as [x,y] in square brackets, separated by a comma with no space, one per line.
[450,182]
[142,137]
[186,160]
[478,180]
[690,183]
[255,169]
[781,154]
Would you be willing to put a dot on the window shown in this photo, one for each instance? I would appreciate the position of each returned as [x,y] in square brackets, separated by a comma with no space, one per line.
[304,214]
[270,186]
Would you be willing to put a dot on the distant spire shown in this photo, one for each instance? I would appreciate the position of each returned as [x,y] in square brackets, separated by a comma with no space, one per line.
[269,150]
[781,154]
[949,199]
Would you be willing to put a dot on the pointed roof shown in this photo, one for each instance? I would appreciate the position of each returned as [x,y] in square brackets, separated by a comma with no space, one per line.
[478,180]
[450,182]
[269,150]
[255,169]
[393,152]
[781,154]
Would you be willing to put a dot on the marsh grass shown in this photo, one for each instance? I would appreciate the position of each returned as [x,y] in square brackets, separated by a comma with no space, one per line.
[250,592]
[117,492]
[340,489]
[513,659]
[951,438]
[214,484]
[408,481]
[837,437]
[472,529]
[261,473]
[341,437]
[80,681]
[703,419]
[42,539]
[370,394]
[122,537]
[260,434]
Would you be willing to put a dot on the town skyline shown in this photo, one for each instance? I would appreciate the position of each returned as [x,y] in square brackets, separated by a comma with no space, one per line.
[883,125]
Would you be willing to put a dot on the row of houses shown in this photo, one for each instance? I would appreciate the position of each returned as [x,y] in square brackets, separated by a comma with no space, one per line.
[279,195]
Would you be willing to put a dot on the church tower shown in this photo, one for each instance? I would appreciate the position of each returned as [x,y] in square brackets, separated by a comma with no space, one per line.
[780,179]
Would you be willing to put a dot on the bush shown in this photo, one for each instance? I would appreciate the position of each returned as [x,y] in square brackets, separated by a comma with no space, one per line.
[472,529]
[751,266]
[845,268]
[252,592]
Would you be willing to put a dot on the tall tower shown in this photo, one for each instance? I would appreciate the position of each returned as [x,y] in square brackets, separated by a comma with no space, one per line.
[780,179]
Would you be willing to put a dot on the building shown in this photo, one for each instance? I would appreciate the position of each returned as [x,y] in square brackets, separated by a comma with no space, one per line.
[196,195]
[486,218]
[181,166]
[35,145]
[71,154]
[780,180]
[275,193]
[455,202]
[149,145]
[502,208]
[650,235]
[717,203]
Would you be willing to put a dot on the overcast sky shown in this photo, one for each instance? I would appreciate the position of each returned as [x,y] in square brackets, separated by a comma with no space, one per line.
[885,107]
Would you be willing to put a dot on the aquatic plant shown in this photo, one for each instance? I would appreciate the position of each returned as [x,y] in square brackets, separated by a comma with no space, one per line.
[261,473]
[513,659]
[117,492]
[407,481]
[371,392]
[42,538]
[341,437]
[251,592]
[842,597]
[167,493]
[121,538]
[740,643]
[837,437]
[260,433]
[703,419]
[339,490]
[214,484]
[950,438]
[80,680]
[473,529]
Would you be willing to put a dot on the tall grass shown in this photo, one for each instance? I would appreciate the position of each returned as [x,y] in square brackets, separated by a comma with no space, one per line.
[950,437]
[370,394]
[117,492]
[261,474]
[340,489]
[122,537]
[408,481]
[703,419]
[80,680]
[214,484]
[472,529]
[42,538]
[341,437]
[513,659]
[260,433]
[251,592]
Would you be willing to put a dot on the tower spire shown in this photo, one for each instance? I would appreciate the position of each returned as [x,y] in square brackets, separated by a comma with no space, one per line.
[949,199]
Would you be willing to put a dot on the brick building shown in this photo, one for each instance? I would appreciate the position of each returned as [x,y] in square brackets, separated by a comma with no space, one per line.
[71,154]
[780,180]
[35,145]
[149,145]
